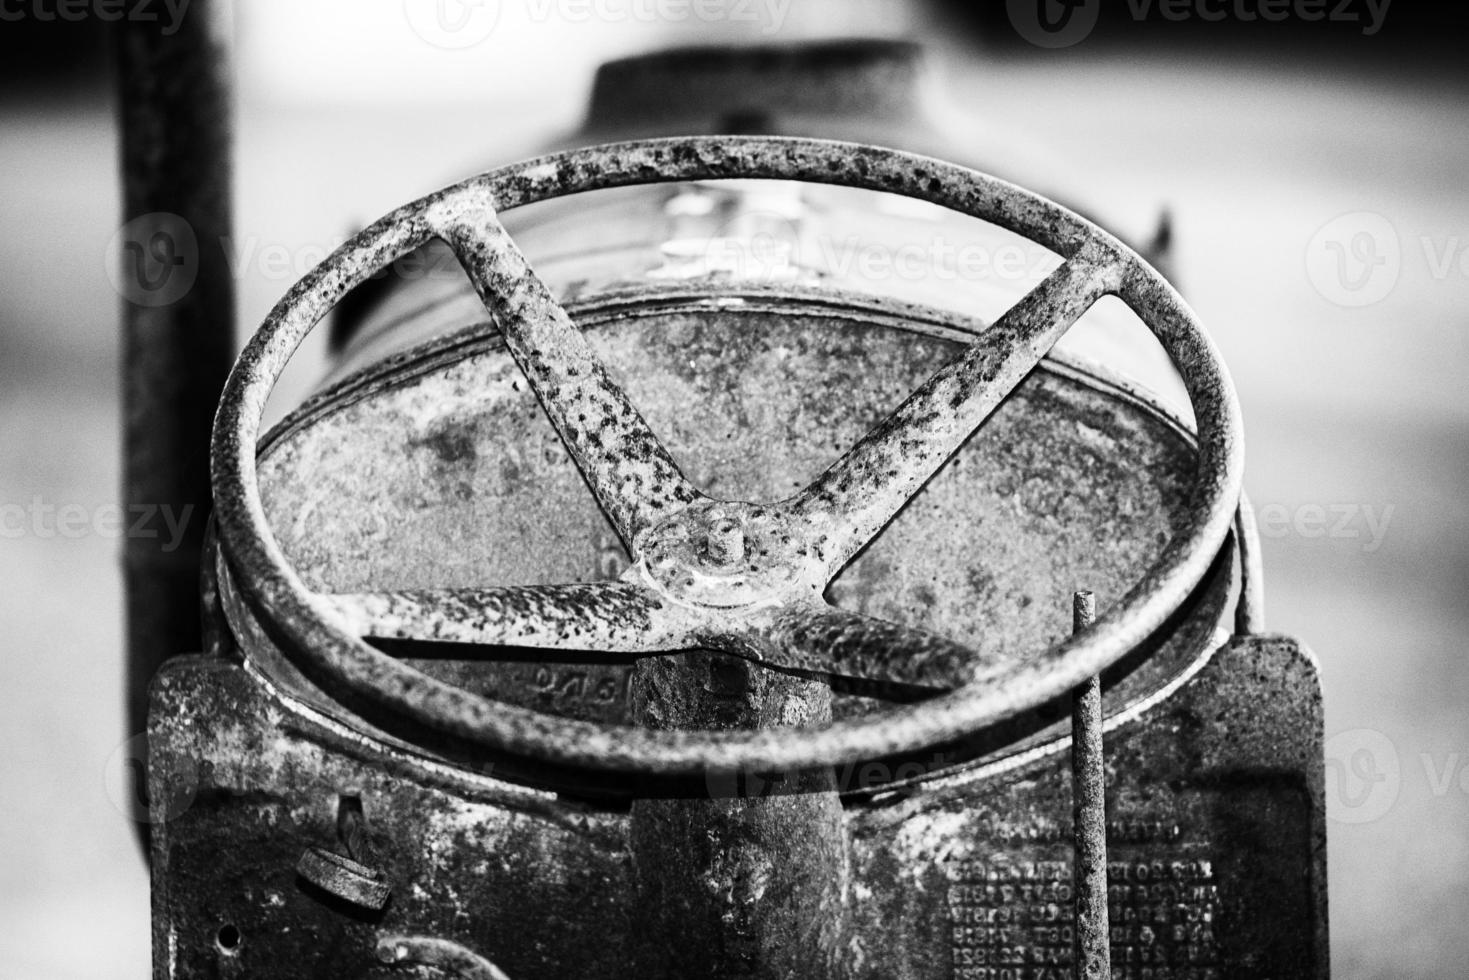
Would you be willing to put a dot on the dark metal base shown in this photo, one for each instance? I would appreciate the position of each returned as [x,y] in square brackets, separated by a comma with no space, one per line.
[1215,826]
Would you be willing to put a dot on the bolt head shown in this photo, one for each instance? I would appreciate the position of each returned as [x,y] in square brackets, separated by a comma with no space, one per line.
[724,542]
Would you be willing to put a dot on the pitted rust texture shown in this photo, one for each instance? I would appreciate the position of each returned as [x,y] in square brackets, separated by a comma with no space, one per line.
[1215,826]
[604,616]
[472,859]
[1091,945]
[862,491]
[344,878]
[875,650]
[626,466]
[353,667]
[726,555]
[1215,832]
[1064,484]
[741,157]
[583,689]
[734,879]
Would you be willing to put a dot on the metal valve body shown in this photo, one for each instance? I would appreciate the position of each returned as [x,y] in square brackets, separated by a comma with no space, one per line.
[436,468]
[950,864]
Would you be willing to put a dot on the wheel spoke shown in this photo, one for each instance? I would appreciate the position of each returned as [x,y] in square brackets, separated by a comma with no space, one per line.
[862,491]
[613,617]
[881,654]
[627,467]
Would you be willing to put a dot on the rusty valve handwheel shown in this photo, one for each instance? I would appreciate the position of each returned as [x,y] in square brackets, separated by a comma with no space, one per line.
[743,577]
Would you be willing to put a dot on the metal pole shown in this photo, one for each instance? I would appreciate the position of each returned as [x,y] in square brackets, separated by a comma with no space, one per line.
[1249,615]
[178,340]
[1088,809]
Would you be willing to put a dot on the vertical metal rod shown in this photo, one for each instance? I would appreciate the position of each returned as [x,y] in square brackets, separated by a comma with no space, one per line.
[1249,615]
[173,107]
[1092,952]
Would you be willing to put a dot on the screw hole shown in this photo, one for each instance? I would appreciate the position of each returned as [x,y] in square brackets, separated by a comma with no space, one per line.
[228,938]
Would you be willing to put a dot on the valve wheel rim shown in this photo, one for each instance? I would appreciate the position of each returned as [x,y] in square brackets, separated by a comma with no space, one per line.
[344,663]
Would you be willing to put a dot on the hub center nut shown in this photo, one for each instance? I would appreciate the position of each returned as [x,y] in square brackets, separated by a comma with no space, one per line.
[724,555]
[724,542]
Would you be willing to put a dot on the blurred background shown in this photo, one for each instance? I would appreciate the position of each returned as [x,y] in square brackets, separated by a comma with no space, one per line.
[1313,158]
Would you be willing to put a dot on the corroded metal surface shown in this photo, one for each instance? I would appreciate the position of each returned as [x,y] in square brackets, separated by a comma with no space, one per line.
[344,878]
[1091,947]
[346,662]
[624,463]
[178,313]
[378,485]
[861,492]
[1072,480]
[865,648]
[1215,832]
[613,617]
[734,878]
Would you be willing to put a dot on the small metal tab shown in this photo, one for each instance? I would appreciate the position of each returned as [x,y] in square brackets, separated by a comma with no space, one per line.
[345,878]
[343,875]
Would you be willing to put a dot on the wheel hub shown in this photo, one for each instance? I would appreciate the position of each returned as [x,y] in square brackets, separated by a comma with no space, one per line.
[727,555]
